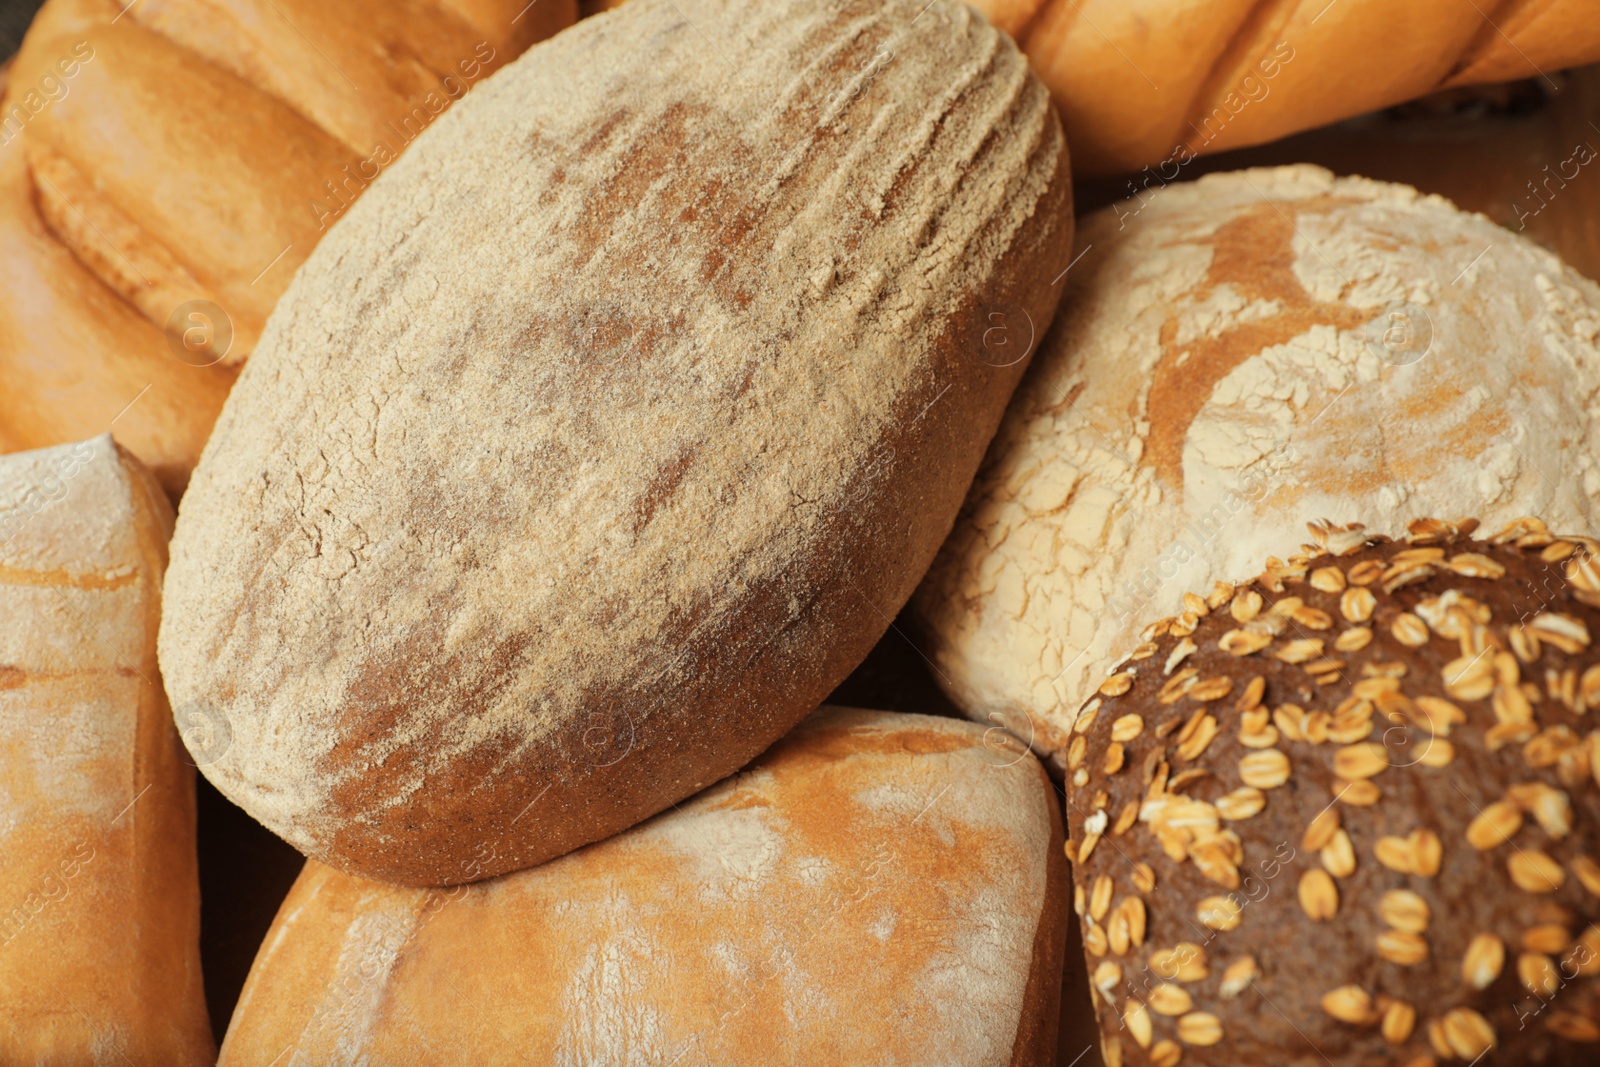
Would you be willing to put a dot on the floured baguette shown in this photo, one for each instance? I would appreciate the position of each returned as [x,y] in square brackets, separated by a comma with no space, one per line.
[606,434]
[1244,355]
[99,932]
[879,888]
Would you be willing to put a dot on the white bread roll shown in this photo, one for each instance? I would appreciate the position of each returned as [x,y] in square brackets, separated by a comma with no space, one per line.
[100,927]
[1237,357]
[878,888]
[601,439]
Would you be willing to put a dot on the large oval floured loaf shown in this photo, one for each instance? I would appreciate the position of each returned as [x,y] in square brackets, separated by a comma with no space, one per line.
[1244,355]
[878,888]
[606,433]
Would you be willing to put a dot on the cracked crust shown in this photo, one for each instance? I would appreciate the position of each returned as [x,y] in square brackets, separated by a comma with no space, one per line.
[573,471]
[1235,356]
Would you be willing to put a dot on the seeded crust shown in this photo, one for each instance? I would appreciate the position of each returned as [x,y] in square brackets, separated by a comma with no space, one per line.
[1346,812]
[1234,355]
[604,436]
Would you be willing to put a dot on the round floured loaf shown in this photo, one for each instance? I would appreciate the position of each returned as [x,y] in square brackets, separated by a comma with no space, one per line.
[1243,355]
[879,888]
[609,429]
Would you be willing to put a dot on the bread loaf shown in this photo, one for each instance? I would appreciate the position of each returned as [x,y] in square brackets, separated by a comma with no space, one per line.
[1241,355]
[1153,83]
[878,888]
[166,165]
[603,438]
[1353,809]
[99,900]
[1523,154]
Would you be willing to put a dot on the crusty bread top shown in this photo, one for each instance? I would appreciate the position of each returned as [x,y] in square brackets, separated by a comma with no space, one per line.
[1141,82]
[1232,362]
[870,891]
[601,380]
[99,928]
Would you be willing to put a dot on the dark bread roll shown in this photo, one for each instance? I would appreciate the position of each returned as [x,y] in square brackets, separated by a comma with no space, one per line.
[1346,812]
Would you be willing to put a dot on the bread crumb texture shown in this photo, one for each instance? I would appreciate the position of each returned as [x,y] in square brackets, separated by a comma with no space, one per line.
[870,891]
[1235,357]
[621,413]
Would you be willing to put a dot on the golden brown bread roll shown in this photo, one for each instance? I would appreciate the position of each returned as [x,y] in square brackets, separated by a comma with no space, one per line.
[631,405]
[878,888]
[99,898]
[1142,82]
[164,168]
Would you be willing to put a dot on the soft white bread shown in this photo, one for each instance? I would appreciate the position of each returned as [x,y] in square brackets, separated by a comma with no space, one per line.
[99,936]
[1237,357]
[605,434]
[878,888]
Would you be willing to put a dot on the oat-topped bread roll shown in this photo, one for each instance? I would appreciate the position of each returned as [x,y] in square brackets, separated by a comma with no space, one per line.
[603,438]
[1235,353]
[877,888]
[165,166]
[1346,812]
[100,927]
[1153,83]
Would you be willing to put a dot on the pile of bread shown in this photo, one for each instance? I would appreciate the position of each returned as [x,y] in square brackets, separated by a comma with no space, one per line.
[550,436]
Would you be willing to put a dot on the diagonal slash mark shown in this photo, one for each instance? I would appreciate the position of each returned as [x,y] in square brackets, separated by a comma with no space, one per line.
[130,404]
[1113,44]
[868,600]
[274,263]
[1474,262]
[1257,987]
[1323,12]
[1548,80]
[1074,262]
[523,12]
[929,805]
[932,402]
[131,803]
[124,11]
[1330,404]
[531,803]
[313,44]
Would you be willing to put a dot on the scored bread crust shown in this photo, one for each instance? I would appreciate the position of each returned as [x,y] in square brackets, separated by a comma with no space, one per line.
[100,927]
[1236,357]
[603,439]
[170,151]
[1152,83]
[878,888]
